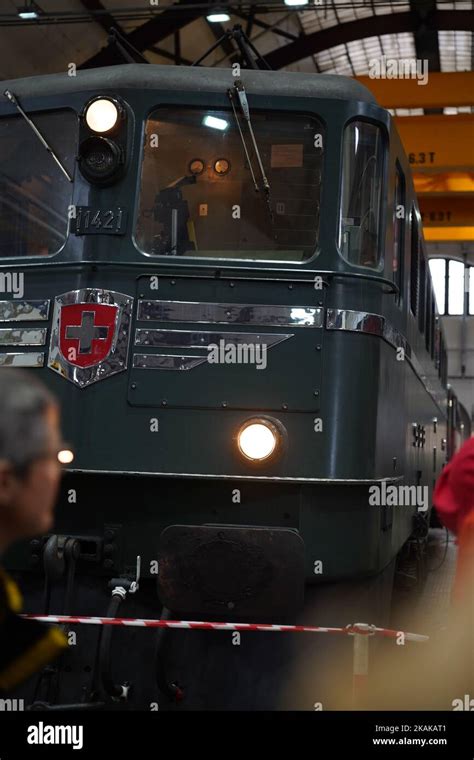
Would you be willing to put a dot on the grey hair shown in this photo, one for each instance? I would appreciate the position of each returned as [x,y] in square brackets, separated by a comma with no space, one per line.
[23,425]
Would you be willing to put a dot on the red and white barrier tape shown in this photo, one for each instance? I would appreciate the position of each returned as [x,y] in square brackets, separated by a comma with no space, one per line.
[356,628]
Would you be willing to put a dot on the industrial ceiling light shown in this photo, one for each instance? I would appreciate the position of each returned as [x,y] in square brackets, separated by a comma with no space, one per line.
[29,11]
[218,17]
[296,2]
[214,122]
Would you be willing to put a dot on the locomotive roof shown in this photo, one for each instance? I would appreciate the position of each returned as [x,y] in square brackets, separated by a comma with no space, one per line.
[146,76]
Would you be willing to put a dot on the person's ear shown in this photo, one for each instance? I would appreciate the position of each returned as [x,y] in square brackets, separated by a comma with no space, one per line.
[7,482]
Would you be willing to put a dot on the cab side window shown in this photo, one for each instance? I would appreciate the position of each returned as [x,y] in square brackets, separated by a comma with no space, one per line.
[414,265]
[359,239]
[398,232]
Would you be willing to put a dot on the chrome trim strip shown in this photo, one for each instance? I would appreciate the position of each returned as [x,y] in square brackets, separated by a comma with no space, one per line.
[213,476]
[32,359]
[24,311]
[230,313]
[191,339]
[22,337]
[167,361]
[375,324]
[362,321]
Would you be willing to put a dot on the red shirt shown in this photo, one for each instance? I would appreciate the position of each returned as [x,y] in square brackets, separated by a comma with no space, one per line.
[453,496]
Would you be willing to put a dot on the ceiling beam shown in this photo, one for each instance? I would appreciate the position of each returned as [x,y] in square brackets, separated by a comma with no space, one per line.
[426,39]
[263,25]
[147,35]
[105,20]
[426,36]
[169,56]
[375,26]
[219,33]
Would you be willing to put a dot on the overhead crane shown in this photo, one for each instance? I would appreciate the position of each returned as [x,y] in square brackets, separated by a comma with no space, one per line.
[440,147]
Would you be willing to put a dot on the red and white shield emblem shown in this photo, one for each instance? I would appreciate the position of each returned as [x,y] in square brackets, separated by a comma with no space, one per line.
[86,332]
[90,335]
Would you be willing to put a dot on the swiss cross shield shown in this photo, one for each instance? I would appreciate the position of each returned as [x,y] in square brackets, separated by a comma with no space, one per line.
[90,335]
[86,332]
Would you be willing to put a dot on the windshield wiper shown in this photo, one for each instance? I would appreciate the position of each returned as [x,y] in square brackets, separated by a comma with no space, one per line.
[12,98]
[244,107]
[231,98]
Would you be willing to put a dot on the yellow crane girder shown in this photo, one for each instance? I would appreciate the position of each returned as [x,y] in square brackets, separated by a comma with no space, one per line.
[441,90]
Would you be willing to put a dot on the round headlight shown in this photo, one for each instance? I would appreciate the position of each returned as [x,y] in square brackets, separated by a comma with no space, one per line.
[101,115]
[100,159]
[258,439]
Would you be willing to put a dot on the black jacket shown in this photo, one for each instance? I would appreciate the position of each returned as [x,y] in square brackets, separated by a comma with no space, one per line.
[26,646]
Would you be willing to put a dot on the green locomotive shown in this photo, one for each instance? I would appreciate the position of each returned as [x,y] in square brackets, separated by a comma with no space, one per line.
[222,277]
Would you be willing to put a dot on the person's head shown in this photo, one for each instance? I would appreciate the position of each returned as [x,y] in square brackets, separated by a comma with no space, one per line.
[30,440]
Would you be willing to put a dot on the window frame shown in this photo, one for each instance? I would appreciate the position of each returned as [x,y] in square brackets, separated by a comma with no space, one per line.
[212,261]
[60,109]
[448,278]
[414,261]
[382,222]
[422,288]
[399,245]
[468,293]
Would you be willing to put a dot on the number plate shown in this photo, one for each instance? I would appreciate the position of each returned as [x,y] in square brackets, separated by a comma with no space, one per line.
[99,221]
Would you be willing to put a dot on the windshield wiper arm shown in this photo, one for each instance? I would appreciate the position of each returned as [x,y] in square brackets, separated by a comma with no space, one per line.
[12,98]
[231,98]
[244,106]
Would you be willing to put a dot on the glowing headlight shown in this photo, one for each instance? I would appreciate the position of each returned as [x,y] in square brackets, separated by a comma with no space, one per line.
[258,439]
[101,115]
[65,456]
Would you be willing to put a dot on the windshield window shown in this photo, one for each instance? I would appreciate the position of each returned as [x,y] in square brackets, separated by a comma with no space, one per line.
[360,217]
[197,195]
[34,193]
